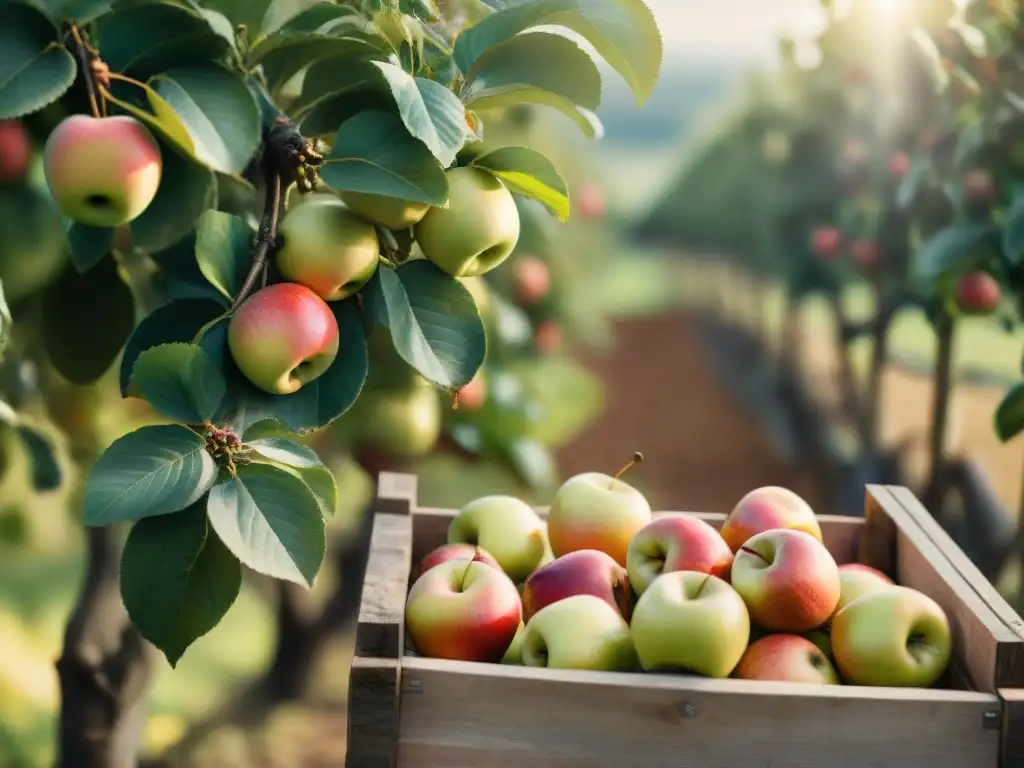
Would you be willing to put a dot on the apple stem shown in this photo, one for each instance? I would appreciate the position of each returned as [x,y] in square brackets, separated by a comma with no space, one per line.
[637,458]
[756,554]
[465,573]
[702,585]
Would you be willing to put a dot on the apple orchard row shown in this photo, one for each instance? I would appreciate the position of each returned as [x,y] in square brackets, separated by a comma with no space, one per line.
[603,585]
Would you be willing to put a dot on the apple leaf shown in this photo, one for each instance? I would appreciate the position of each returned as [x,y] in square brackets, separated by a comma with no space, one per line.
[178,321]
[251,13]
[155,470]
[81,11]
[89,245]
[178,580]
[224,251]
[180,381]
[528,172]
[46,473]
[623,32]
[373,152]
[1009,416]
[145,39]
[86,320]
[146,105]
[318,403]
[956,249]
[218,111]
[304,463]
[284,58]
[271,521]
[433,321]
[35,70]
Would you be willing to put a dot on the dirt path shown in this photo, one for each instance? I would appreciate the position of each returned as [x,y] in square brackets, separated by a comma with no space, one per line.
[702,451]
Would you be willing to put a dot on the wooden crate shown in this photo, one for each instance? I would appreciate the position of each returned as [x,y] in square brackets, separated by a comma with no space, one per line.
[414,712]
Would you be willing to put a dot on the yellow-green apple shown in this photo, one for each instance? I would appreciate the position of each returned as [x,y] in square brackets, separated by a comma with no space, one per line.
[505,526]
[446,552]
[102,171]
[788,580]
[691,622]
[514,653]
[786,658]
[327,248]
[676,543]
[478,289]
[767,508]
[548,337]
[895,637]
[857,580]
[583,572]
[397,423]
[531,280]
[282,337]
[477,231]
[595,511]
[579,632]
[387,212]
[463,610]
[977,293]
[15,151]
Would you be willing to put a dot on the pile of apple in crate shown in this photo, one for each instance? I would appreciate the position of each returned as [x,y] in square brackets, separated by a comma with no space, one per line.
[603,585]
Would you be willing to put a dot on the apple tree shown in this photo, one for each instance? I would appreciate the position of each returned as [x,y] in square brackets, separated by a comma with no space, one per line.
[246,201]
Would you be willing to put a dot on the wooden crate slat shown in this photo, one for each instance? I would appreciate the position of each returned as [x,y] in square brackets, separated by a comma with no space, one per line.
[458,715]
[396,493]
[373,707]
[380,631]
[1011,753]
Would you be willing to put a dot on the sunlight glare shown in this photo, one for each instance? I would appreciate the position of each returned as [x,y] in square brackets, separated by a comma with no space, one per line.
[888,7]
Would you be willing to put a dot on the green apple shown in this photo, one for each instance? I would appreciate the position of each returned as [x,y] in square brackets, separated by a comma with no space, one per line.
[857,580]
[595,511]
[506,527]
[327,248]
[579,632]
[387,212]
[402,423]
[477,231]
[894,637]
[514,653]
[690,622]
[102,171]
[283,337]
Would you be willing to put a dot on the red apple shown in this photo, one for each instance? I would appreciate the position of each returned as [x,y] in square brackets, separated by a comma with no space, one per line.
[899,165]
[857,580]
[788,580]
[977,293]
[583,572]
[463,610]
[591,201]
[532,280]
[767,508]
[282,337]
[864,253]
[825,242]
[473,395]
[548,337]
[447,552]
[676,543]
[786,658]
[15,151]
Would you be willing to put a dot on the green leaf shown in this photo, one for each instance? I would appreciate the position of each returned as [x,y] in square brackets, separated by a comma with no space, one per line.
[89,245]
[185,192]
[623,32]
[177,579]
[1009,416]
[145,104]
[86,320]
[35,70]
[538,67]
[528,172]
[155,470]
[180,381]
[373,152]
[248,12]
[433,320]
[271,521]
[44,467]
[266,428]
[224,251]
[146,39]
[304,463]
[219,112]
[318,403]
[955,250]
[6,322]
[1013,227]
[284,58]
[178,321]
[532,462]
[83,11]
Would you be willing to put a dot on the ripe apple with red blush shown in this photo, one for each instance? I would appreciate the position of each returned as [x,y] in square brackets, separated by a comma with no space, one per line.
[583,572]
[767,508]
[15,151]
[532,280]
[786,658]
[447,552]
[865,254]
[825,242]
[590,201]
[676,543]
[977,293]
[548,337]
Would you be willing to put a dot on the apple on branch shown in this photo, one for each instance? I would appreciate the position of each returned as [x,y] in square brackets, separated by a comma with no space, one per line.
[532,280]
[283,337]
[584,572]
[690,622]
[15,151]
[595,511]
[508,528]
[676,543]
[765,509]
[386,212]
[400,422]
[977,293]
[579,632]
[102,171]
[463,610]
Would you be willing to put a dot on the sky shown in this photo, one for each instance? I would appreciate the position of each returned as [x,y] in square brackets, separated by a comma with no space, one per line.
[738,29]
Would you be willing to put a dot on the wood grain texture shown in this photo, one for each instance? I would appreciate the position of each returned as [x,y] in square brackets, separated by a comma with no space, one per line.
[465,715]
[373,706]
[396,493]
[381,626]
[878,539]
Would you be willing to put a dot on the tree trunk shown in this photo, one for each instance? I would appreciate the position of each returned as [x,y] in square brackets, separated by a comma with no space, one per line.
[849,392]
[943,380]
